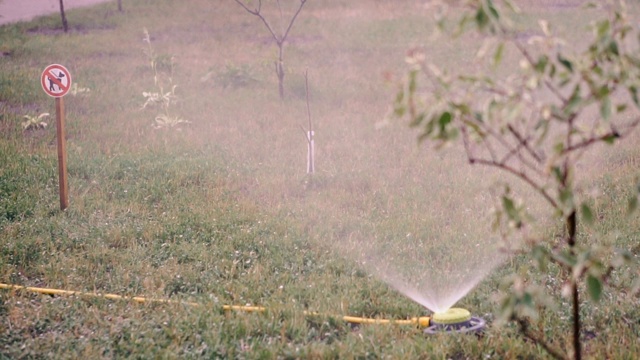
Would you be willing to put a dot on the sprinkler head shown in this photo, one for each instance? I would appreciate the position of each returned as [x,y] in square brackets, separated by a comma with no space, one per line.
[455,320]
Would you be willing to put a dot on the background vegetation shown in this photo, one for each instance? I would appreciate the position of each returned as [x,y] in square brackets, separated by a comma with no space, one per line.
[202,195]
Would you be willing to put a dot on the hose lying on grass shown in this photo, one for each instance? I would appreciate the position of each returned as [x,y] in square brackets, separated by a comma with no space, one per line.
[422,322]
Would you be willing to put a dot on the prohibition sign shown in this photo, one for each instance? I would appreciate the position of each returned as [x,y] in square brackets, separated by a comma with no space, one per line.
[56,80]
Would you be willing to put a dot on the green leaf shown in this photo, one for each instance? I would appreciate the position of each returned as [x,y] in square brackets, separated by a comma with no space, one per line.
[552,70]
[634,95]
[492,9]
[557,173]
[613,48]
[610,139]
[621,108]
[399,108]
[541,64]
[510,208]
[512,6]
[558,148]
[566,63]
[462,107]
[603,28]
[566,197]
[413,83]
[429,126]
[481,18]
[597,69]
[565,79]
[594,286]
[508,205]
[605,108]
[602,92]
[574,100]
[444,120]
[497,56]
[462,24]
[587,214]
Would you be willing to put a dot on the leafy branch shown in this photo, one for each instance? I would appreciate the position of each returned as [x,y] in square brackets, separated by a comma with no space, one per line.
[535,124]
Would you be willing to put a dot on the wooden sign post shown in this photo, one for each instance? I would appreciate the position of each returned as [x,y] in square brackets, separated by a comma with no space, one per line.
[56,82]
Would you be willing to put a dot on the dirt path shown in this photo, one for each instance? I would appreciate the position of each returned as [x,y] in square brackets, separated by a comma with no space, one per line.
[23,10]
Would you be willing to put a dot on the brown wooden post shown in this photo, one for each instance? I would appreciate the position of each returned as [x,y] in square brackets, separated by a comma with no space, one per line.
[62,154]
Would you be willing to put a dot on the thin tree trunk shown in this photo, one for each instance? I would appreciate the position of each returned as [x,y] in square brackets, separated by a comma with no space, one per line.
[571,229]
[65,26]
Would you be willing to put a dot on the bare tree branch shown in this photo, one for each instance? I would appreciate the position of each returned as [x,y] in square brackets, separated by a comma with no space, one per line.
[519,174]
[509,149]
[281,16]
[257,13]
[524,142]
[555,91]
[254,12]
[613,134]
[539,340]
[280,39]
[302,2]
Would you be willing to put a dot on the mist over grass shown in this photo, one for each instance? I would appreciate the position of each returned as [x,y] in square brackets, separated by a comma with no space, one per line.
[221,210]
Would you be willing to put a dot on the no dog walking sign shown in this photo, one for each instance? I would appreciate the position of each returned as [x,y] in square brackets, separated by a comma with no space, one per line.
[56,80]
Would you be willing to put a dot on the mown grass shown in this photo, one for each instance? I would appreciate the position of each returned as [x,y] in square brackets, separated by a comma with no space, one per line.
[220,211]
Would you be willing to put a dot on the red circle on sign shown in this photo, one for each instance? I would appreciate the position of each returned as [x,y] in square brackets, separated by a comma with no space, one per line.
[56,80]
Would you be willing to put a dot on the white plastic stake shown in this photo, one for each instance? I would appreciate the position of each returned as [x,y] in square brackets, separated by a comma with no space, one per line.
[310,153]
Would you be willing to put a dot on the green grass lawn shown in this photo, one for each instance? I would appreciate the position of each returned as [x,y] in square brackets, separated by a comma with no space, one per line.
[219,209]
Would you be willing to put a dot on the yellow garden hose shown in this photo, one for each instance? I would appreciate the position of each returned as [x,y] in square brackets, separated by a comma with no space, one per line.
[422,322]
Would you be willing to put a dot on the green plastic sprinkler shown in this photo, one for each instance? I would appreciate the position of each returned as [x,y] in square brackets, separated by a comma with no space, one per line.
[455,320]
